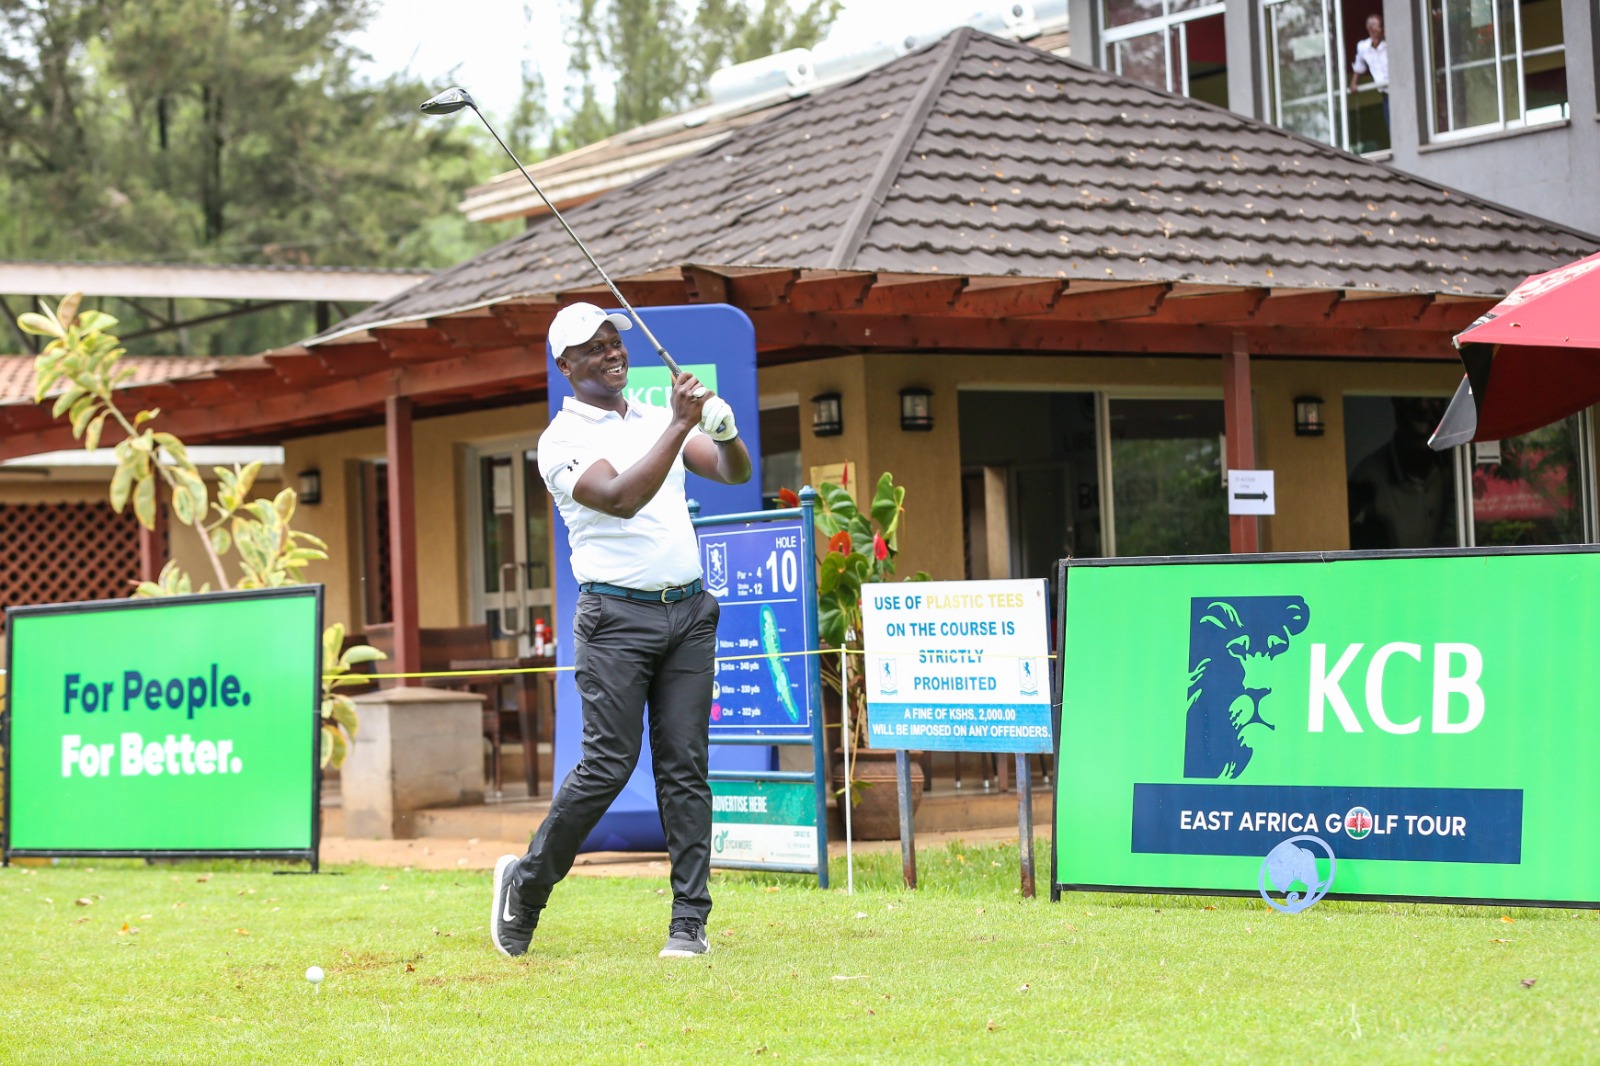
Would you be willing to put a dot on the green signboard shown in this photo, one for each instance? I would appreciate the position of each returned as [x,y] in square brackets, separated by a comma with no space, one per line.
[165,726]
[763,822]
[1433,717]
[651,385]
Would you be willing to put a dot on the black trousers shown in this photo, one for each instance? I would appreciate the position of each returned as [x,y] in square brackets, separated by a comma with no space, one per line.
[630,653]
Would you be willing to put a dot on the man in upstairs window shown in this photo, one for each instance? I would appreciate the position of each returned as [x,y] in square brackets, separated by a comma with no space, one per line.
[1372,57]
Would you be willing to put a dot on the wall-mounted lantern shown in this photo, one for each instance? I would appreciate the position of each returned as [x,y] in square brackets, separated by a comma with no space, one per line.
[1308,416]
[826,420]
[916,410]
[310,485]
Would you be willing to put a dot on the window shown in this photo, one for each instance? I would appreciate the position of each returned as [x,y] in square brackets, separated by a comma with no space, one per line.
[1030,481]
[1530,489]
[376,586]
[1495,64]
[1176,45]
[1166,474]
[780,453]
[1402,493]
[1310,46]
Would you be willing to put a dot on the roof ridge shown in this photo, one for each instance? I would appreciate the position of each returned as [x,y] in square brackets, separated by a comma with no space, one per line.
[861,218]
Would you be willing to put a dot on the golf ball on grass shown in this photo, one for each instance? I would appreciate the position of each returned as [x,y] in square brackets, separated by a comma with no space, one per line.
[314,975]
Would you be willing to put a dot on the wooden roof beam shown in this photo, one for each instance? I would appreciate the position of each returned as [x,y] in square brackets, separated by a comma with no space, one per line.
[704,286]
[528,322]
[1379,312]
[1105,305]
[350,362]
[56,437]
[473,375]
[995,298]
[761,288]
[469,331]
[645,292]
[208,389]
[830,291]
[1451,316]
[299,370]
[913,296]
[1205,310]
[415,344]
[777,331]
[1295,308]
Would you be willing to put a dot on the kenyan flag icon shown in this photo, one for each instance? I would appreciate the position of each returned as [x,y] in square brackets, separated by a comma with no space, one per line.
[1357,822]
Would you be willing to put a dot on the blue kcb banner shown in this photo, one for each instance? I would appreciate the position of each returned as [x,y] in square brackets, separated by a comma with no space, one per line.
[717,343]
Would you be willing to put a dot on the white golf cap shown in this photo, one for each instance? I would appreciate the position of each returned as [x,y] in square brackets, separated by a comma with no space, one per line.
[577,323]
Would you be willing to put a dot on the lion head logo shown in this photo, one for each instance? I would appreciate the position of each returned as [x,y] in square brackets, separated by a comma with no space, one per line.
[1232,645]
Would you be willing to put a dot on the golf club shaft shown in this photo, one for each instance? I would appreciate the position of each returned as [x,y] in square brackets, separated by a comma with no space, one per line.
[672,364]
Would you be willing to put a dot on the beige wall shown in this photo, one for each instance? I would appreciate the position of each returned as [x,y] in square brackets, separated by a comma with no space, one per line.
[439,451]
[1312,512]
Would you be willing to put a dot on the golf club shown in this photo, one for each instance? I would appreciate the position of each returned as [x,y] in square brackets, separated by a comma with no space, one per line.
[453,100]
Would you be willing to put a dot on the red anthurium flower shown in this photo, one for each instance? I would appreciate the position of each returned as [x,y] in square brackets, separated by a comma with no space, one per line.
[839,542]
[880,548]
[788,498]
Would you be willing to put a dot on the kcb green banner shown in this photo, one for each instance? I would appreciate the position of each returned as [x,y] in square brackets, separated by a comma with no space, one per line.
[165,726]
[1434,719]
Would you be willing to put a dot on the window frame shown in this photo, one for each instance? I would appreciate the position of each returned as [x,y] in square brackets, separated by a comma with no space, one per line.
[1432,66]
[1164,24]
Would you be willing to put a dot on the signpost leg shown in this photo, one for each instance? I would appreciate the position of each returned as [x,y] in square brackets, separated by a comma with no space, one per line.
[1025,823]
[908,842]
[847,800]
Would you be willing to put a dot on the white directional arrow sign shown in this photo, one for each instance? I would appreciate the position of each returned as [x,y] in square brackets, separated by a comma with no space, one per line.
[1251,492]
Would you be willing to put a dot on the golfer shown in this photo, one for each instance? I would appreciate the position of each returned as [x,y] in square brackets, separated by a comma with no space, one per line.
[645,632]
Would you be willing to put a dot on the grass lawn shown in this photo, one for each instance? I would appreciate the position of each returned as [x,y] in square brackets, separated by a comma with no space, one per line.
[198,964]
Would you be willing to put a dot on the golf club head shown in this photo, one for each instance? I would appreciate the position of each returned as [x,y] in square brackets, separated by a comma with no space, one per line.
[448,102]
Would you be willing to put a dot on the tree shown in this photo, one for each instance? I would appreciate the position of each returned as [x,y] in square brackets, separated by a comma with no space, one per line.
[223,131]
[660,62]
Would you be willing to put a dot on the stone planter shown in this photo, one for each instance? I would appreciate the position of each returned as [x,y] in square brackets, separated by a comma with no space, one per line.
[416,748]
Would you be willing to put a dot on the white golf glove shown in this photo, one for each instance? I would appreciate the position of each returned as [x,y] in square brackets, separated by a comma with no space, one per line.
[716,420]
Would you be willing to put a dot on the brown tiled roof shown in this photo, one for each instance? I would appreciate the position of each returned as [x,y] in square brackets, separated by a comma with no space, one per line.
[16,372]
[984,157]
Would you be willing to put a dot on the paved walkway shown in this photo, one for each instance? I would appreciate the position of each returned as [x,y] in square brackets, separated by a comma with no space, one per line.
[436,853]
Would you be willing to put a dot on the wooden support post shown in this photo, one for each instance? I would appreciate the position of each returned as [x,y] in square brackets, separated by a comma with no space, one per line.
[402,539]
[1244,531]
[153,542]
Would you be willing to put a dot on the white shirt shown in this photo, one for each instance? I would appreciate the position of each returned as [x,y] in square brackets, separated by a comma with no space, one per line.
[656,548]
[1374,61]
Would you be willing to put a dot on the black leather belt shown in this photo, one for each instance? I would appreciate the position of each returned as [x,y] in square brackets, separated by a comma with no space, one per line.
[666,595]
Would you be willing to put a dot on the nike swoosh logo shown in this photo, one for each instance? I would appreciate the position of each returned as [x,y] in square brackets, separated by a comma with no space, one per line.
[506,916]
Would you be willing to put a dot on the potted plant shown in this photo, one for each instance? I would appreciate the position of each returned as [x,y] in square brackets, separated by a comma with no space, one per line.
[860,548]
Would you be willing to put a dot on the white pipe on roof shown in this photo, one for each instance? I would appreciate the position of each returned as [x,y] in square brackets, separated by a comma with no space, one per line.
[792,69]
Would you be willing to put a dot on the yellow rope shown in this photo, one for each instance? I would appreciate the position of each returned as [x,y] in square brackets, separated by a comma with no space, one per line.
[563,669]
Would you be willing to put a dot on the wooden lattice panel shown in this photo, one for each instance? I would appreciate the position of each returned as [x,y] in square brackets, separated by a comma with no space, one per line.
[61,552]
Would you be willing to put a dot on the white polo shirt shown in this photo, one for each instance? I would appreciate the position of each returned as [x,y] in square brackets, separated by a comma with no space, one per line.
[1374,61]
[656,548]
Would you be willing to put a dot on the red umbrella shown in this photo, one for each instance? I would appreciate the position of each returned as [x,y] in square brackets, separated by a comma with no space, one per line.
[1532,360]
